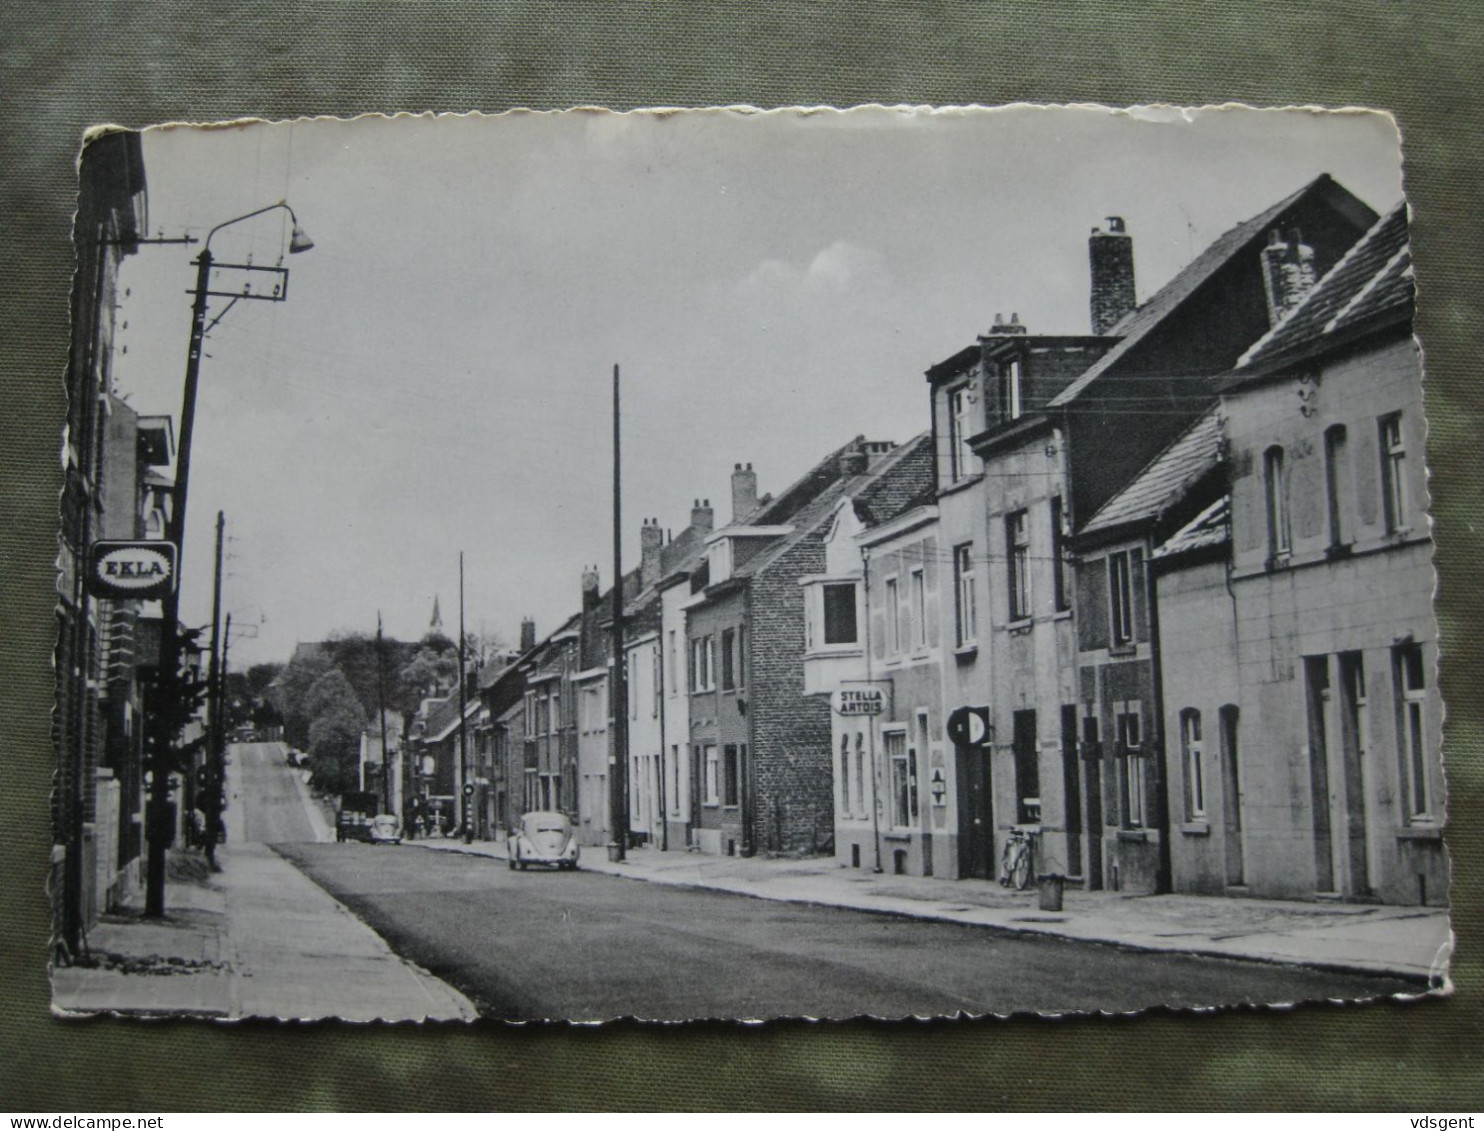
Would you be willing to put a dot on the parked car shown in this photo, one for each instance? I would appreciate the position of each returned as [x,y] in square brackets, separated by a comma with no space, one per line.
[544,838]
[385,830]
[354,816]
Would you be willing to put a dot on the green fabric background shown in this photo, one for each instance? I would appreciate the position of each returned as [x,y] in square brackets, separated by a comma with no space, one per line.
[68,64]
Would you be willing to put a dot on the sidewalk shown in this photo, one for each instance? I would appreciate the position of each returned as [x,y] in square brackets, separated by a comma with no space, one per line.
[1412,942]
[258,939]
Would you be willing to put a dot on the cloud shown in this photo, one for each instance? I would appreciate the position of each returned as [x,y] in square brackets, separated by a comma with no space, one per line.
[839,267]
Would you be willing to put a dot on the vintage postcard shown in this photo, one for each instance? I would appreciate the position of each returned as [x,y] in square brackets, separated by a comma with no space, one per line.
[895,562]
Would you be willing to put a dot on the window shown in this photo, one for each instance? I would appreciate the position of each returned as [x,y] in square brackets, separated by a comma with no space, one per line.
[713,776]
[1060,567]
[1010,390]
[631,684]
[1334,486]
[860,772]
[1195,780]
[893,616]
[960,401]
[919,608]
[728,661]
[845,773]
[1121,598]
[1411,685]
[965,614]
[592,708]
[702,661]
[839,613]
[1275,488]
[672,661]
[1394,472]
[1017,555]
[656,681]
[741,656]
[1129,736]
[675,802]
[528,714]
[897,768]
[556,710]
[732,776]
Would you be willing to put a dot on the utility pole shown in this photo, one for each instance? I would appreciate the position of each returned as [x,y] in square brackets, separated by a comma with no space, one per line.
[464,774]
[386,755]
[166,724]
[157,822]
[618,811]
[212,789]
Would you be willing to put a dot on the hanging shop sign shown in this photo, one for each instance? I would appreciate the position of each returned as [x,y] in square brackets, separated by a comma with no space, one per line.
[859,701]
[142,571]
[970,726]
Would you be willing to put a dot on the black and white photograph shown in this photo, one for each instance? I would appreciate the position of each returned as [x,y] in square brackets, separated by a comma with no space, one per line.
[893,562]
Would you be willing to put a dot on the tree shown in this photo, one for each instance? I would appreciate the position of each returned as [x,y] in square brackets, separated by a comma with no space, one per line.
[428,672]
[293,692]
[337,718]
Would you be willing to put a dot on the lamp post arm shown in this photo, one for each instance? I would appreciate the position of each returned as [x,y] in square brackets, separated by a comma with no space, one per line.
[248,216]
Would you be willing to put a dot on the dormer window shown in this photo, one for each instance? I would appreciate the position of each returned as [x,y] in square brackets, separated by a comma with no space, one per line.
[719,560]
[1009,378]
[960,428]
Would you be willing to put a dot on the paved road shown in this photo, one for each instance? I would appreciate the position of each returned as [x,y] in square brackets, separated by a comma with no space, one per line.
[269,802]
[584,946]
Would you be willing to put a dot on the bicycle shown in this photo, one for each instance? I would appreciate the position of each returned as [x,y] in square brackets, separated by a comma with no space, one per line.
[1017,861]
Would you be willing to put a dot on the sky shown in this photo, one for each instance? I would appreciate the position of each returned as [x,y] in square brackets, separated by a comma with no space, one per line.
[438,378]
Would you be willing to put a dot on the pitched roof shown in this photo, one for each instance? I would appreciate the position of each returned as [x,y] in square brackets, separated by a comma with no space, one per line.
[886,488]
[1210,528]
[443,718]
[1137,324]
[1166,478]
[1371,281]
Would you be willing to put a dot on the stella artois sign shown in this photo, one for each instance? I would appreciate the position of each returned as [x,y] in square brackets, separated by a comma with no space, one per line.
[859,701]
[141,571]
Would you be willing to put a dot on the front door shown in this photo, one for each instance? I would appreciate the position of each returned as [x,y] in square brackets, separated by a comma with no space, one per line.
[1092,769]
[975,817]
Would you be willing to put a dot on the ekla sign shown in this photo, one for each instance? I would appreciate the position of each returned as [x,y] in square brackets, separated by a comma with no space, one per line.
[140,571]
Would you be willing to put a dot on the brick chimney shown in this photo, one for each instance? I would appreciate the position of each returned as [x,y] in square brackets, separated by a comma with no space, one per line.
[591,593]
[744,491]
[853,460]
[1111,256]
[1010,328]
[1288,273]
[701,515]
[527,634]
[651,542]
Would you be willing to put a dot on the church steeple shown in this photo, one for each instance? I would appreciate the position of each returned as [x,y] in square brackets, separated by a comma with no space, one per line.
[436,624]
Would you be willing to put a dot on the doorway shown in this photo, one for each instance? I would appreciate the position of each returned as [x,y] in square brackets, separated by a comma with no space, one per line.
[975,814]
[1316,683]
[1358,846]
[1231,799]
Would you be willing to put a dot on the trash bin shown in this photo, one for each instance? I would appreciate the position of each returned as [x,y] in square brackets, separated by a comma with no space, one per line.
[1051,891]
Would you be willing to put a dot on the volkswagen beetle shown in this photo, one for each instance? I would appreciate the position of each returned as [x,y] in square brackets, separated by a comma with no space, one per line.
[544,838]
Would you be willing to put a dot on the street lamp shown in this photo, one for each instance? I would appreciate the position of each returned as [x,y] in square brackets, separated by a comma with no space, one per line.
[274,289]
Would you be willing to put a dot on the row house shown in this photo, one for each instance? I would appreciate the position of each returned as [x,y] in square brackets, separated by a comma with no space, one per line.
[102,646]
[874,645]
[1034,435]
[760,747]
[1295,612]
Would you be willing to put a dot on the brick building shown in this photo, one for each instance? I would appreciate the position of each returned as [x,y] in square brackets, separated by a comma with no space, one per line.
[111,214]
[759,746]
